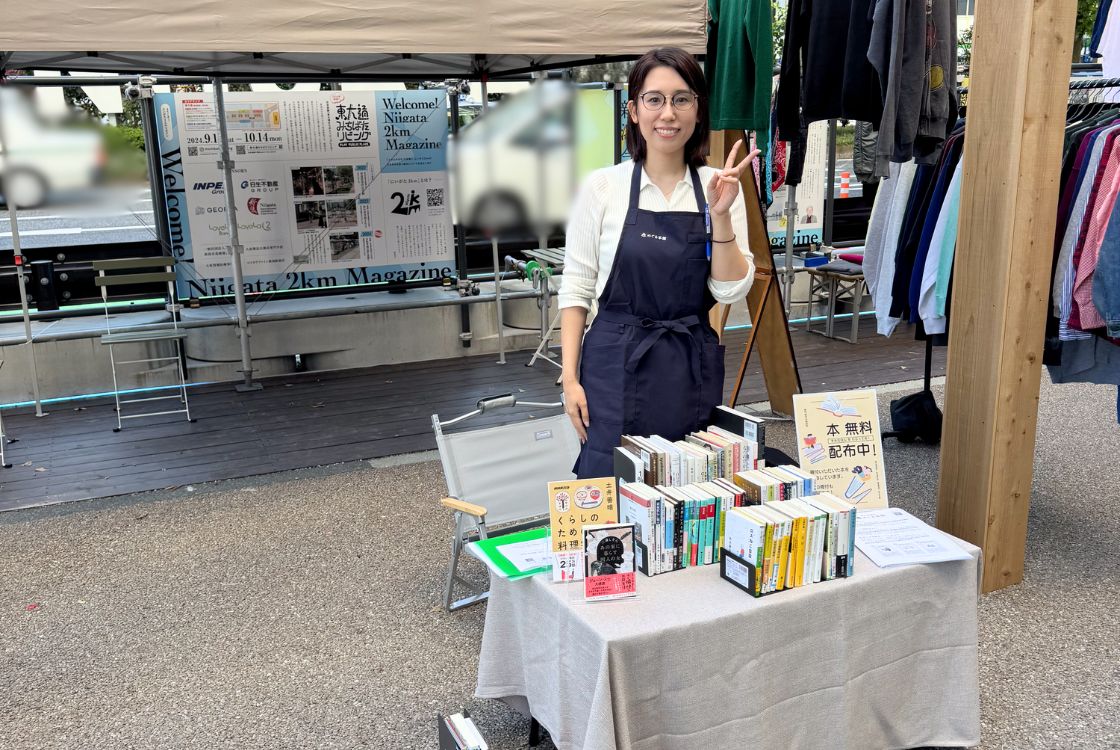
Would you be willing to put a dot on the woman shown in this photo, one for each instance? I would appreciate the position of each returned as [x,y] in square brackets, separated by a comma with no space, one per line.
[655,251]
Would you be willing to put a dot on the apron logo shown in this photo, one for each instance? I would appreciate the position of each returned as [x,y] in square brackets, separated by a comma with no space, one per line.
[655,236]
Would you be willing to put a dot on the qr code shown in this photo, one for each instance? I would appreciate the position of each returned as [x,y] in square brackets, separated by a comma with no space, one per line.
[240,150]
[435,197]
[192,150]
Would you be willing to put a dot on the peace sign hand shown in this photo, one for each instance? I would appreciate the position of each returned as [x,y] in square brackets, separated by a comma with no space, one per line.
[724,185]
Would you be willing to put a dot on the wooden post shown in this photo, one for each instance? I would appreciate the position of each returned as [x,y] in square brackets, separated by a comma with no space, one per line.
[1018,91]
[770,334]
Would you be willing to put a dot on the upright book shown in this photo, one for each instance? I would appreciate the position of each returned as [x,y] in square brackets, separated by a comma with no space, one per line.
[609,570]
[573,504]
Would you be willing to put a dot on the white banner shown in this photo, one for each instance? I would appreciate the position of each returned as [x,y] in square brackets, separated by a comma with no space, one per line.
[331,188]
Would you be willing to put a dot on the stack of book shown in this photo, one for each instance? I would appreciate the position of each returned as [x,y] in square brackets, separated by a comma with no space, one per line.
[683,525]
[786,544]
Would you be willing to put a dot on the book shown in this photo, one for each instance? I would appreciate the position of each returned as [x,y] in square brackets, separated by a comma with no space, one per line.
[646,452]
[572,504]
[672,456]
[635,507]
[609,571]
[846,531]
[741,423]
[746,537]
[807,483]
[798,543]
[770,547]
[628,465]
[748,449]
[465,733]
[783,529]
[818,528]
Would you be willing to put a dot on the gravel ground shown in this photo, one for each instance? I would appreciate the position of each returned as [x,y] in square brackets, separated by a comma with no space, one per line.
[301,610]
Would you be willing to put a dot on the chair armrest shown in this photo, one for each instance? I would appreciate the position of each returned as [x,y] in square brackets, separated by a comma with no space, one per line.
[452,503]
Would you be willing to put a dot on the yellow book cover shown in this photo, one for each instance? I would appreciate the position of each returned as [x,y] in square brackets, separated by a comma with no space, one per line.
[571,505]
[768,558]
[783,555]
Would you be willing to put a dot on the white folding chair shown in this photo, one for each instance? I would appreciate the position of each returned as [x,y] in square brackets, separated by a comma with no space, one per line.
[497,477]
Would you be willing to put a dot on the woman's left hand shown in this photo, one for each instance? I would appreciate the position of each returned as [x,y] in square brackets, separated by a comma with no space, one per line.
[724,185]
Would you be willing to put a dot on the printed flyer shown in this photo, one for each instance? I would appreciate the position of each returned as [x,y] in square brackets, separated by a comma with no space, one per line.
[840,444]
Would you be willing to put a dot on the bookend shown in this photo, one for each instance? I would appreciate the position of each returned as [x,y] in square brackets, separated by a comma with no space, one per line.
[735,570]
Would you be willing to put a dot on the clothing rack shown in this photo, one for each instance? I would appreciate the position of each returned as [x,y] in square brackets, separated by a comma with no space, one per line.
[1077,84]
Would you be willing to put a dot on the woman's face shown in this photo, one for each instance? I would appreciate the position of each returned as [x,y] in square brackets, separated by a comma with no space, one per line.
[668,129]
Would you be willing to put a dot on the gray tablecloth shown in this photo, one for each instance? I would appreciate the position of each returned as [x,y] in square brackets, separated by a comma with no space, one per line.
[885,659]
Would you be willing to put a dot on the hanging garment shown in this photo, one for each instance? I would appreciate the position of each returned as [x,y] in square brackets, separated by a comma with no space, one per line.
[1098,27]
[1109,46]
[1083,315]
[740,66]
[825,71]
[863,151]
[887,217]
[945,173]
[651,363]
[1106,280]
[916,208]
[897,52]
[939,260]
[938,114]
[1062,288]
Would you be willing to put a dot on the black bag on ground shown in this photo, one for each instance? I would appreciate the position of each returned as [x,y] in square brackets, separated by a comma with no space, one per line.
[916,416]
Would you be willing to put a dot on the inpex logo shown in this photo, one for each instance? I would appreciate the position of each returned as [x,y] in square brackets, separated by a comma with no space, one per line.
[213,187]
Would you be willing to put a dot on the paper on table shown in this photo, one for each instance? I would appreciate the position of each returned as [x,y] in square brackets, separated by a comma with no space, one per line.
[531,555]
[515,555]
[891,536]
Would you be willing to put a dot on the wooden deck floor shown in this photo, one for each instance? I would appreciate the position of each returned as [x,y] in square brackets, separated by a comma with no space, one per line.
[314,419]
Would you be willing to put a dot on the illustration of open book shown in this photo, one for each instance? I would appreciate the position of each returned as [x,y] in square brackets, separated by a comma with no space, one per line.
[833,406]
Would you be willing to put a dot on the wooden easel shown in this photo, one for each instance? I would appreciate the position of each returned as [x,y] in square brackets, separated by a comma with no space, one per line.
[769,326]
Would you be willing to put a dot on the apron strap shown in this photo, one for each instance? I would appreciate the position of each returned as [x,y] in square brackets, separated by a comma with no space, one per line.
[635,189]
[656,329]
[698,189]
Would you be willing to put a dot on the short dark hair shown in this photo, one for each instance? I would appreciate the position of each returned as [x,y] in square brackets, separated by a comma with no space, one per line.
[696,150]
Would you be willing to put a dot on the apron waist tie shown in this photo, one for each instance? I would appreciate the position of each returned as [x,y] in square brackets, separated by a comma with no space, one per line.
[657,329]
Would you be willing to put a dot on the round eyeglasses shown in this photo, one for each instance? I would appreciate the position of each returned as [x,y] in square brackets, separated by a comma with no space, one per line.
[655,100]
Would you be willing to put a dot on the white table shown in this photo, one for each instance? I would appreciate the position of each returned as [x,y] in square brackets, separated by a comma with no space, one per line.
[885,659]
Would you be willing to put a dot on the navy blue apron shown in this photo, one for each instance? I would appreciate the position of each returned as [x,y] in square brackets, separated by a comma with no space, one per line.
[651,363]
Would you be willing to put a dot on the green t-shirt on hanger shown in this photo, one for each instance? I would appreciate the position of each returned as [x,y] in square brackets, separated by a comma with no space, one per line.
[740,66]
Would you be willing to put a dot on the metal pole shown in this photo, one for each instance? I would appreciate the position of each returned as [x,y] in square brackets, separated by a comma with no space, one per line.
[830,187]
[461,269]
[20,282]
[151,151]
[498,301]
[791,221]
[226,166]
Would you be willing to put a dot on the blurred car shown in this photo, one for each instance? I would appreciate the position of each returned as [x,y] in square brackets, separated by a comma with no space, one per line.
[39,159]
[517,166]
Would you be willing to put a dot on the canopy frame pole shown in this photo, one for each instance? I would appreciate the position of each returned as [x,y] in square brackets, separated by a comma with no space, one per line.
[236,249]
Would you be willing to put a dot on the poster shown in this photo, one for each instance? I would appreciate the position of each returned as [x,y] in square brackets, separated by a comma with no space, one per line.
[840,444]
[572,505]
[810,195]
[331,188]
